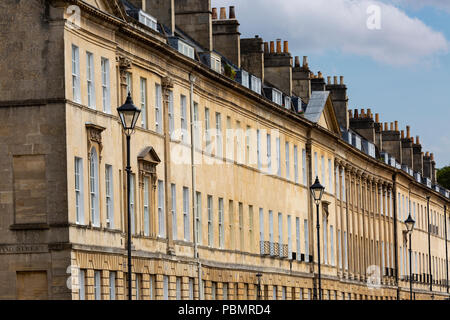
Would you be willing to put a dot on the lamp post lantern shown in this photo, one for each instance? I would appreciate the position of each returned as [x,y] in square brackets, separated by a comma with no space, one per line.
[317,192]
[129,115]
[410,227]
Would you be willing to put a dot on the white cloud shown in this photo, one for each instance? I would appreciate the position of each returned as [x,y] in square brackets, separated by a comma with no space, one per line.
[341,25]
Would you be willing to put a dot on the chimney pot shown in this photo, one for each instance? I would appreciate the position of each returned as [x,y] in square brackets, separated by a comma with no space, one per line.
[319,75]
[297,62]
[432,156]
[278,45]
[427,154]
[335,80]
[403,134]
[386,126]
[363,113]
[408,132]
[305,61]
[350,114]
[356,114]
[329,80]
[223,13]
[369,113]
[377,117]
[392,126]
[272,47]
[417,140]
[214,13]
[342,80]
[232,12]
[266,47]
[396,126]
[286,47]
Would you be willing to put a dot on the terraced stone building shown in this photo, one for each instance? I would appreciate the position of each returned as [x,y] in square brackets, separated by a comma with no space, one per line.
[261,126]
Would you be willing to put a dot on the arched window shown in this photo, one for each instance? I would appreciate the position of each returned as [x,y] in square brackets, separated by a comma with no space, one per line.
[93,184]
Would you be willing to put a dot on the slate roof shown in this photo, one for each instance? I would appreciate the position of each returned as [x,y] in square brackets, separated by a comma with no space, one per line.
[316,105]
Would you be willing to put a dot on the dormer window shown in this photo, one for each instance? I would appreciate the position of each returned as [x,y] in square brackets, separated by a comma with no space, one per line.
[255,84]
[186,49]
[287,102]
[244,78]
[277,97]
[216,63]
[148,20]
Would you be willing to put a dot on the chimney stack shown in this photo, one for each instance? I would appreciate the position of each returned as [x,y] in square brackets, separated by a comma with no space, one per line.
[232,12]
[226,36]
[199,11]
[252,55]
[278,45]
[417,156]
[223,13]
[163,10]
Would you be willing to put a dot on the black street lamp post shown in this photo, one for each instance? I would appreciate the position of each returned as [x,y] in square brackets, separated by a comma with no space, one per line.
[317,192]
[129,115]
[259,275]
[410,227]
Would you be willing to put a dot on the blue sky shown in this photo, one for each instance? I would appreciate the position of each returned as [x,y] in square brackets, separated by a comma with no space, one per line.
[400,70]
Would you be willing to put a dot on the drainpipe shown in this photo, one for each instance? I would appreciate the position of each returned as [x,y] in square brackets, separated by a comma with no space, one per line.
[446,249]
[394,198]
[192,80]
[429,244]
[311,210]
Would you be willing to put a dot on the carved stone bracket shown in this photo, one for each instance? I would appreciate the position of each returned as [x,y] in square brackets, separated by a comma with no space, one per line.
[94,136]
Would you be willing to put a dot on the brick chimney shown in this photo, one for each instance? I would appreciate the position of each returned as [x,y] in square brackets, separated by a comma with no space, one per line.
[226,36]
[407,149]
[427,166]
[162,10]
[364,126]
[318,83]
[417,156]
[252,55]
[392,143]
[278,68]
[340,101]
[194,17]
[301,79]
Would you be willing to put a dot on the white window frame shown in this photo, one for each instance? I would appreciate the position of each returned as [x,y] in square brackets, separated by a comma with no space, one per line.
[161,210]
[183,118]
[76,87]
[186,224]
[173,194]
[287,160]
[90,80]
[109,194]
[106,95]
[198,216]
[219,142]
[94,188]
[306,239]
[171,113]
[158,108]
[146,206]
[278,146]
[79,191]
[304,167]
[143,85]
[221,224]
[210,221]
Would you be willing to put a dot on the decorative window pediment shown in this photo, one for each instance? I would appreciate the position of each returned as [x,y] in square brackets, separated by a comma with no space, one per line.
[94,137]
